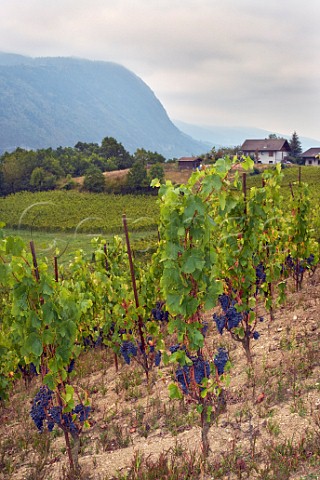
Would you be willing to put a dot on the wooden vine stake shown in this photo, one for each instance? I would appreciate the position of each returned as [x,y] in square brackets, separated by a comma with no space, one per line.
[34,260]
[56,269]
[136,299]
[106,266]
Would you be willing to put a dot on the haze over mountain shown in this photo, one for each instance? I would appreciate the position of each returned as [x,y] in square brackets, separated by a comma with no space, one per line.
[231,136]
[48,102]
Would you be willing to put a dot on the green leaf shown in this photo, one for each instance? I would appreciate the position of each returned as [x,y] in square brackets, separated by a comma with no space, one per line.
[14,246]
[247,164]
[222,200]
[192,261]
[174,392]
[34,344]
[48,314]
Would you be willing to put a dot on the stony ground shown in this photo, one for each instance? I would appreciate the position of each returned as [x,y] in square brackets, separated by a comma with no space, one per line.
[270,429]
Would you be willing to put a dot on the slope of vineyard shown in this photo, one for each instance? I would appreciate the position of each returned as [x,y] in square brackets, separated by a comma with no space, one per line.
[200,363]
[82,212]
[267,432]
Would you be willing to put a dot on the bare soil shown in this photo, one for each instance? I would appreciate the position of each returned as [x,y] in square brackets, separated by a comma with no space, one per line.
[275,404]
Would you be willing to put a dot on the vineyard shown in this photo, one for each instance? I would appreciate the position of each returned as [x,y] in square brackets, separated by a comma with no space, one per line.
[64,211]
[201,362]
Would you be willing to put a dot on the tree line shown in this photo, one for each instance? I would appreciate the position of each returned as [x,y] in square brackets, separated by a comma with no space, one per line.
[47,169]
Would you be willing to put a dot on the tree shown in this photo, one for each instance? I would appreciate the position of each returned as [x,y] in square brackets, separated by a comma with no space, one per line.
[148,157]
[156,171]
[42,180]
[138,177]
[296,149]
[274,136]
[111,148]
[94,180]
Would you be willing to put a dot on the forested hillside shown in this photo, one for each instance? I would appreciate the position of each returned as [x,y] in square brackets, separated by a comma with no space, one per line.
[48,102]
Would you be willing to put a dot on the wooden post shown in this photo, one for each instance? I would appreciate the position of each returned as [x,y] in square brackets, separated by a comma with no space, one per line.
[106,258]
[56,269]
[135,292]
[34,259]
[244,189]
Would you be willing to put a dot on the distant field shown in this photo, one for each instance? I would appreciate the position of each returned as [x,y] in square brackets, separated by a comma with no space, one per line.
[85,213]
[63,245]
[76,212]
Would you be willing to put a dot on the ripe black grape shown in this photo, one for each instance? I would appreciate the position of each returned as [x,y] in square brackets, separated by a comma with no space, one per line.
[201,369]
[157,358]
[233,318]
[128,350]
[40,403]
[183,377]
[220,360]
[220,322]
[224,301]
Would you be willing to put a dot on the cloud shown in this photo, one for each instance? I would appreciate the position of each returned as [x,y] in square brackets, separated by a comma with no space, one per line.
[239,61]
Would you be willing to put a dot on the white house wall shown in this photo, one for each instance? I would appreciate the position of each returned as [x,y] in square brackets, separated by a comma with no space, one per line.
[266,158]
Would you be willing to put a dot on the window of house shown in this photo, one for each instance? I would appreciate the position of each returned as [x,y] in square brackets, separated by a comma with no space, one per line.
[270,154]
[270,161]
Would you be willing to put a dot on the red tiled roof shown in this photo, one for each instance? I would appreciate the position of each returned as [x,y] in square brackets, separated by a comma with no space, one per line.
[312,152]
[268,144]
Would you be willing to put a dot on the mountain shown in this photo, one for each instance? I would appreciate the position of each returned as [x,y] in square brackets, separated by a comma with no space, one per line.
[48,102]
[232,136]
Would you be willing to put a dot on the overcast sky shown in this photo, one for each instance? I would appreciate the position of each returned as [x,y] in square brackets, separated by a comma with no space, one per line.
[209,62]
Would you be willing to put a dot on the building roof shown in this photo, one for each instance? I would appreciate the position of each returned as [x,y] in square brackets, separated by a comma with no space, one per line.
[188,159]
[312,152]
[268,144]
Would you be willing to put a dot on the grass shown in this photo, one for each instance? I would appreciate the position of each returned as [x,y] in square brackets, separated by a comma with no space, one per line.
[49,244]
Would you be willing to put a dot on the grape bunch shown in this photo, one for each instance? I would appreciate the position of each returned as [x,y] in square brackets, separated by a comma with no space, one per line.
[183,378]
[225,302]
[44,413]
[175,348]
[157,358]
[201,369]
[260,275]
[220,322]
[159,313]
[40,404]
[220,360]
[205,327]
[230,318]
[155,355]
[71,365]
[128,350]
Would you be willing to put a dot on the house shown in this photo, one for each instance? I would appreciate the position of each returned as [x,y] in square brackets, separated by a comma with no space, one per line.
[190,163]
[269,150]
[311,156]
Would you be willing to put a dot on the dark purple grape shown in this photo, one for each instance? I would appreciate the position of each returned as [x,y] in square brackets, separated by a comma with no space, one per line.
[233,318]
[220,322]
[201,369]
[128,350]
[183,377]
[157,358]
[224,301]
[220,360]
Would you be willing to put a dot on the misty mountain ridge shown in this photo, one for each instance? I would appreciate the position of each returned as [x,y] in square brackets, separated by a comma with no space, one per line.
[58,101]
[219,136]
[48,102]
